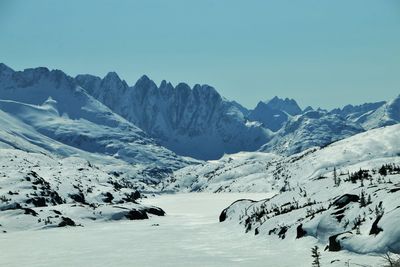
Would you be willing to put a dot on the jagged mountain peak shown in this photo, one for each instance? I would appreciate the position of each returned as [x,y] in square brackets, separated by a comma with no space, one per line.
[112,75]
[307,109]
[192,121]
[183,87]
[113,81]
[5,68]
[206,90]
[273,114]
[197,121]
[288,105]
[145,82]
[166,85]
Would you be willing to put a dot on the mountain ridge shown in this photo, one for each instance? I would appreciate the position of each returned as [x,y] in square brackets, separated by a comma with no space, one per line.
[198,122]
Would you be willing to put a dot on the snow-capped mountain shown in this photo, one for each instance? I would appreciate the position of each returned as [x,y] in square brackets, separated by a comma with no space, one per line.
[67,159]
[387,114]
[113,118]
[198,122]
[346,195]
[311,129]
[195,122]
[52,104]
[274,113]
[356,113]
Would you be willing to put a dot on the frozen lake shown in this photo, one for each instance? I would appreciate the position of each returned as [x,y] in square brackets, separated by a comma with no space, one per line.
[190,235]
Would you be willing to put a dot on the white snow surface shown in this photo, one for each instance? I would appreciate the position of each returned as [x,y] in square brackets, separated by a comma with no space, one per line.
[48,105]
[308,193]
[38,191]
[190,235]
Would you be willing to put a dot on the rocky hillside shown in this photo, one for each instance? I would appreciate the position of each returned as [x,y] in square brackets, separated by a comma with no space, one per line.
[345,195]
[40,191]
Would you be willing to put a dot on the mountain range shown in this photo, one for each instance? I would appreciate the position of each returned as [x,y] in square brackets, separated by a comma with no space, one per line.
[75,150]
[196,122]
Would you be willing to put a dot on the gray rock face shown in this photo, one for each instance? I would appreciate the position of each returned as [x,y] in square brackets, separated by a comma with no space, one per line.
[52,104]
[194,122]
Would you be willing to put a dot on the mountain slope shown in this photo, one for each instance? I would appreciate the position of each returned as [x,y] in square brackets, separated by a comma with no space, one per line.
[345,195]
[196,121]
[311,129]
[52,104]
[39,191]
[387,114]
[270,118]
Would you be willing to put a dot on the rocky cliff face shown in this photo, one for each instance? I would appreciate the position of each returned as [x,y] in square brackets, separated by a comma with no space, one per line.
[195,122]
[191,121]
[50,110]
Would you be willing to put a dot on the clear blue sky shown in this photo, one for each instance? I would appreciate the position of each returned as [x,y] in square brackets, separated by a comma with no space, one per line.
[322,53]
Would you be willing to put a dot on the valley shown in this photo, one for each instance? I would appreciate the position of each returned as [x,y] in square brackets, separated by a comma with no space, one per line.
[190,235]
[97,171]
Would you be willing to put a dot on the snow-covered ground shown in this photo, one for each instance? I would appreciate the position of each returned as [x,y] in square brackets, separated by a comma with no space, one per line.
[190,235]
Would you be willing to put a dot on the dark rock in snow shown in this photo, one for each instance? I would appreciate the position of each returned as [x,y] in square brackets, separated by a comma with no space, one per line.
[375,229]
[37,201]
[155,211]
[345,200]
[137,215]
[66,222]
[300,231]
[108,197]
[78,197]
[222,216]
[334,243]
[30,211]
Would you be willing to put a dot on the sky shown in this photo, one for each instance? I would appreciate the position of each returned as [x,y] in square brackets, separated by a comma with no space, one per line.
[323,53]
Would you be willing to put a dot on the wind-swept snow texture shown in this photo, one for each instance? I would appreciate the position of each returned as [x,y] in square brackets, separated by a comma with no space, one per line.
[190,235]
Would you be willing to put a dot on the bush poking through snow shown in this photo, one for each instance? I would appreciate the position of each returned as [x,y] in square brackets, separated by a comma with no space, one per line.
[316,255]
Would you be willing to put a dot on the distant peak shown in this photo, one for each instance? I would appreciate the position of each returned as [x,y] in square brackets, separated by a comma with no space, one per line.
[145,82]
[5,69]
[111,76]
[183,87]
[165,85]
[144,78]
[39,69]
[277,99]
[288,105]
[204,87]
[395,101]
[309,108]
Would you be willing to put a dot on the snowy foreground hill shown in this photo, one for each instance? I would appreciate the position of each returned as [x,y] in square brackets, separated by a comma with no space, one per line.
[39,191]
[67,159]
[345,195]
[86,151]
